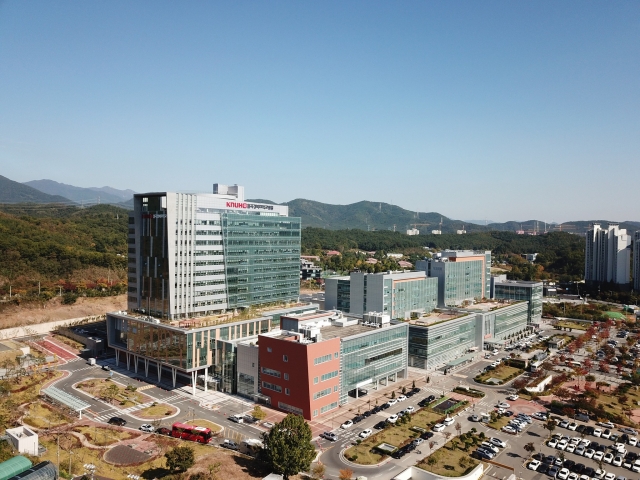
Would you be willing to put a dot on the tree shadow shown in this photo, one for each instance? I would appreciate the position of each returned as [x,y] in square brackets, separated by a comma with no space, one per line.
[252,466]
[158,472]
[533,434]
[514,455]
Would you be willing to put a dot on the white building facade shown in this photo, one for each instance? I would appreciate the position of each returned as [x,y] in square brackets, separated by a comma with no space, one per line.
[607,254]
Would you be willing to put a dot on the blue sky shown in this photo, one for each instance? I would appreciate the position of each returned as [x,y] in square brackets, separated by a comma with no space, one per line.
[499,110]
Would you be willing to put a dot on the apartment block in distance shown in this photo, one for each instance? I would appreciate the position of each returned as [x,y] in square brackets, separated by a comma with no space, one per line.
[397,294]
[447,338]
[194,255]
[463,275]
[607,255]
[636,261]
[531,291]
[321,359]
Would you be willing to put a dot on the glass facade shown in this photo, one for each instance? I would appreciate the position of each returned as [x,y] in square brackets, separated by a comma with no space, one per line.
[414,295]
[344,295]
[510,320]
[370,357]
[463,281]
[262,258]
[434,345]
[531,292]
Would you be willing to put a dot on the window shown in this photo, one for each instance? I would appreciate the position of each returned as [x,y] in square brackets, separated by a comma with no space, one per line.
[315,413]
[271,386]
[269,371]
[287,391]
[285,358]
[331,406]
[323,359]
[329,376]
[321,393]
[315,380]
[335,355]
[286,376]
[269,349]
[335,388]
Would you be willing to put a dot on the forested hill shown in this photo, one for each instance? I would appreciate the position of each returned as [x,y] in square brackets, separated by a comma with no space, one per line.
[559,253]
[51,244]
[14,192]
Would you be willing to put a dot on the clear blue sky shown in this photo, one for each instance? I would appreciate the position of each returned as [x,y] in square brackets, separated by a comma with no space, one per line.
[499,110]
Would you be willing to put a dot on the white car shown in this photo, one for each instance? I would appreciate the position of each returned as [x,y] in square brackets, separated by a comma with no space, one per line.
[599,474]
[606,434]
[365,433]
[573,476]
[608,457]
[393,418]
[553,443]
[636,466]
[438,427]
[490,447]
[597,432]
[575,440]
[392,402]
[509,429]
[563,474]
[563,424]
[570,448]
[610,476]
[633,441]
[598,456]
[497,442]
[572,426]
[562,445]
[503,405]
[589,453]
[580,450]
[617,461]
[448,421]
[347,424]
[584,477]
[402,398]
[585,443]
[606,425]
[533,465]
[513,397]
[409,409]
[145,427]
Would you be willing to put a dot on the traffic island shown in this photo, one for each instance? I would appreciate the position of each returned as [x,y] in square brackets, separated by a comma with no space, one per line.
[454,458]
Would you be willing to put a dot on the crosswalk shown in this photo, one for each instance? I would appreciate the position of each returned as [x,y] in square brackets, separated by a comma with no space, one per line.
[106,416]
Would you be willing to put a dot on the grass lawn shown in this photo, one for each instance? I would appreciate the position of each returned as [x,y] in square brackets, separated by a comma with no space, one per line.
[104,436]
[450,461]
[153,412]
[40,415]
[573,325]
[125,398]
[611,404]
[499,423]
[397,435]
[501,372]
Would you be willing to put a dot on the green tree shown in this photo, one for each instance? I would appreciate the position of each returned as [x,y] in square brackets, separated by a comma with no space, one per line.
[530,447]
[258,413]
[550,425]
[287,447]
[180,458]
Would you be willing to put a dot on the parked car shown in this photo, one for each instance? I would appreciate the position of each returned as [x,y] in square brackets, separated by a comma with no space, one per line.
[121,422]
[163,431]
[497,442]
[145,427]
[533,465]
[448,421]
[230,444]
[503,405]
[347,424]
[392,419]
[365,433]
[438,427]
[330,436]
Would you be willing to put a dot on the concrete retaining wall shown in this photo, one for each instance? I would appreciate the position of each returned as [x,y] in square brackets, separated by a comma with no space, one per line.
[415,473]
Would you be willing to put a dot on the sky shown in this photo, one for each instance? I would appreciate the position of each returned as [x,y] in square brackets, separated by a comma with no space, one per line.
[496,109]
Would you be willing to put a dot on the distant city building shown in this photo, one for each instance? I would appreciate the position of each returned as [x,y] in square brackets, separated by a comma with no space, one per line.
[531,257]
[398,294]
[636,261]
[461,232]
[309,270]
[436,232]
[607,254]
[463,275]
[197,254]
[413,231]
[395,255]
[320,359]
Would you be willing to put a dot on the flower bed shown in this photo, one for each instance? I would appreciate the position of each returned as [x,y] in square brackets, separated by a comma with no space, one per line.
[470,392]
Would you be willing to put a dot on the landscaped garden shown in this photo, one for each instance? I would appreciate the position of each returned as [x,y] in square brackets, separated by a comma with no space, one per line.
[453,459]
[501,374]
[156,410]
[102,436]
[470,392]
[113,392]
[397,435]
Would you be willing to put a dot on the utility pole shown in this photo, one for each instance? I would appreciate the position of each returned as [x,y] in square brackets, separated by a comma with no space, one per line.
[38,287]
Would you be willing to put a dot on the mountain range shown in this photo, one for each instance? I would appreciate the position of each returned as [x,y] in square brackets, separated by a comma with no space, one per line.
[364,215]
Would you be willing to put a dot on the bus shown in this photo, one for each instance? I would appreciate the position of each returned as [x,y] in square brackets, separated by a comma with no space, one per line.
[191,432]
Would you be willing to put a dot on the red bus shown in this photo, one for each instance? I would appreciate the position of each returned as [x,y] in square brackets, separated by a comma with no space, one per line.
[191,432]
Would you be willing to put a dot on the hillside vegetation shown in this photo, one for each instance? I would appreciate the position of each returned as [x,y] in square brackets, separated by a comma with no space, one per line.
[62,243]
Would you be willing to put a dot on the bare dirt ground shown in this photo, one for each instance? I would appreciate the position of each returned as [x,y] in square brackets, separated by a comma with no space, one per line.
[34,313]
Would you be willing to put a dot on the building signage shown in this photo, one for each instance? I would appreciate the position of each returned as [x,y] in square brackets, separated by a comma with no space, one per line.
[154,215]
[250,206]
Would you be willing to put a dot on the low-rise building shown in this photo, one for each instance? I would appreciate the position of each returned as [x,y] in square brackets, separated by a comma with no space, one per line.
[23,439]
[318,359]
[309,270]
[397,294]
[530,291]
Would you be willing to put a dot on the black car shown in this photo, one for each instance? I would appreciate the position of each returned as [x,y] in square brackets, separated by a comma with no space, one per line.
[121,422]
[481,455]
[601,448]
[416,390]
[367,414]
[614,437]
[380,425]
[358,419]
[589,430]
[594,445]
[631,457]
[384,406]
[539,456]
[410,447]
[624,438]
[508,413]
[543,468]
[376,409]
[549,460]
[569,464]
[589,472]
[578,468]
[581,428]
[430,398]
[426,435]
